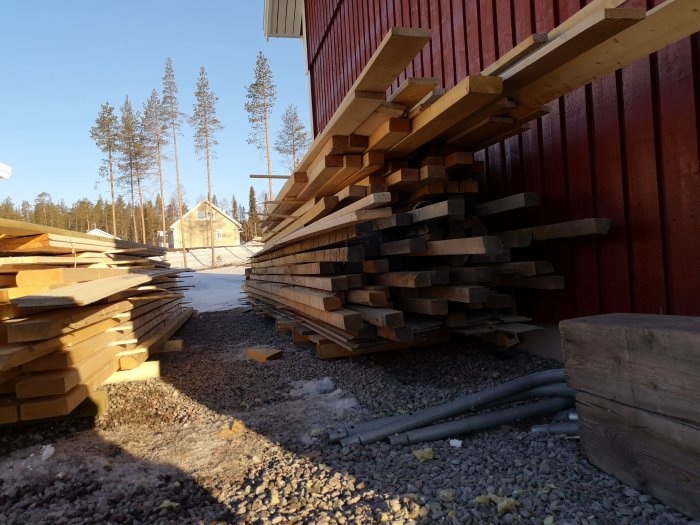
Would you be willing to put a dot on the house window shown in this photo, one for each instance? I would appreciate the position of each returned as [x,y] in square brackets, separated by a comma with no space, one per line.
[219,234]
[202,215]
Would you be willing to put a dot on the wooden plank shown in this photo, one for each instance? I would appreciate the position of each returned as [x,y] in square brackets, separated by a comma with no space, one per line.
[432,173]
[466,98]
[88,292]
[413,90]
[366,297]
[330,284]
[377,316]
[393,54]
[390,132]
[315,211]
[598,27]
[642,360]
[517,53]
[391,221]
[61,381]
[422,305]
[653,453]
[458,160]
[54,323]
[375,266]
[448,208]
[314,298]
[344,319]
[461,294]
[562,230]
[263,354]
[351,193]
[326,225]
[145,371]
[464,246]
[403,247]
[405,178]
[666,23]
[414,279]
[344,254]
[64,404]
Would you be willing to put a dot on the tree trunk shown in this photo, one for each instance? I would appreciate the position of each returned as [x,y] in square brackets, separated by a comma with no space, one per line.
[162,192]
[267,146]
[179,198]
[111,184]
[143,218]
[211,208]
[133,205]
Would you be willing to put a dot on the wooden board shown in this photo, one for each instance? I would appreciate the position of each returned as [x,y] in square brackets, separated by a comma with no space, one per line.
[88,292]
[465,246]
[412,90]
[262,354]
[466,98]
[643,360]
[653,453]
[512,202]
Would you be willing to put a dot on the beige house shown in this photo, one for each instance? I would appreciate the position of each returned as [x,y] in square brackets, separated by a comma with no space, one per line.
[195,225]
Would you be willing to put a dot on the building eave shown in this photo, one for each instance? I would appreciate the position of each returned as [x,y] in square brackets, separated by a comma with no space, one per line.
[283,18]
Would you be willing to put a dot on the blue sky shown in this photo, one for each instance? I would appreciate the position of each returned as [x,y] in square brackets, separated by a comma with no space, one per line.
[59,61]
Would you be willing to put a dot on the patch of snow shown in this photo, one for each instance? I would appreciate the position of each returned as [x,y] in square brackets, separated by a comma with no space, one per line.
[215,290]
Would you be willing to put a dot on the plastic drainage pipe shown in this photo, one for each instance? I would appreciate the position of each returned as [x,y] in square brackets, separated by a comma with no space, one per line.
[570,428]
[482,421]
[456,407]
[336,434]
[553,390]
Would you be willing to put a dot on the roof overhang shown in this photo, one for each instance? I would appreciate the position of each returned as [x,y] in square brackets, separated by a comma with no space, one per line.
[283,18]
[5,171]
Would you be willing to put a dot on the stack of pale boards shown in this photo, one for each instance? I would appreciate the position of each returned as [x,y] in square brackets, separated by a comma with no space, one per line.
[77,311]
[381,241]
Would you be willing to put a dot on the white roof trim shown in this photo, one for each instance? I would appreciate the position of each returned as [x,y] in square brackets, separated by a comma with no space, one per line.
[283,18]
[216,208]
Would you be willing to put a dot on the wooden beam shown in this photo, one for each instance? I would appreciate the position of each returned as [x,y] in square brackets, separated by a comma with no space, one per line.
[512,202]
[376,316]
[413,90]
[464,246]
[467,97]
[517,53]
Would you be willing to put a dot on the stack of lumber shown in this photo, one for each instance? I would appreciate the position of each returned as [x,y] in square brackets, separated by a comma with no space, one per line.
[381,239]
[638,383]
[75,309]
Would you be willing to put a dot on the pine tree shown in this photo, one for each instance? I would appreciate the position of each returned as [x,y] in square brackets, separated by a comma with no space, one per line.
[172,115]
[235,212]
[127,139]
[105,134]
[206,126]
[253,218]
[155,129]
[293,139]
[41,208]
[261,95]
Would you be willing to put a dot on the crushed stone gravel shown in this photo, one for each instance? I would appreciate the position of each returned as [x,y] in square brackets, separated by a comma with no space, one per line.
[223,439]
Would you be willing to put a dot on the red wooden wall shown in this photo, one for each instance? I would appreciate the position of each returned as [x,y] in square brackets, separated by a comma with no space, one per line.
[625,147]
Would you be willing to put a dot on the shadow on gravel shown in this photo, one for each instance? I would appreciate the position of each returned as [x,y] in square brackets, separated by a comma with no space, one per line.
[69,472]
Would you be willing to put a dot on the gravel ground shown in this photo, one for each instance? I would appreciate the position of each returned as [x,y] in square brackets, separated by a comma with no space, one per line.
[219,438]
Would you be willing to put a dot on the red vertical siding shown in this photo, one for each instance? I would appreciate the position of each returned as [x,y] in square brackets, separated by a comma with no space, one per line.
[625,147]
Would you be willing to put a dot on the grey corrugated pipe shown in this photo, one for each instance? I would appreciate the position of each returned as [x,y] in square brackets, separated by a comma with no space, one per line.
[570,428]
[554,390]
[458,406]
[482,421]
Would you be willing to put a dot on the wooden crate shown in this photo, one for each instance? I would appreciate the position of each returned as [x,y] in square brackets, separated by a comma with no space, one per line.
[638,382]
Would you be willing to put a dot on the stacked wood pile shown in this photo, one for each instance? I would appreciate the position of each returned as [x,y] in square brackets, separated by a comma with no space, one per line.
[381,239]
[76,309]
[638,383]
